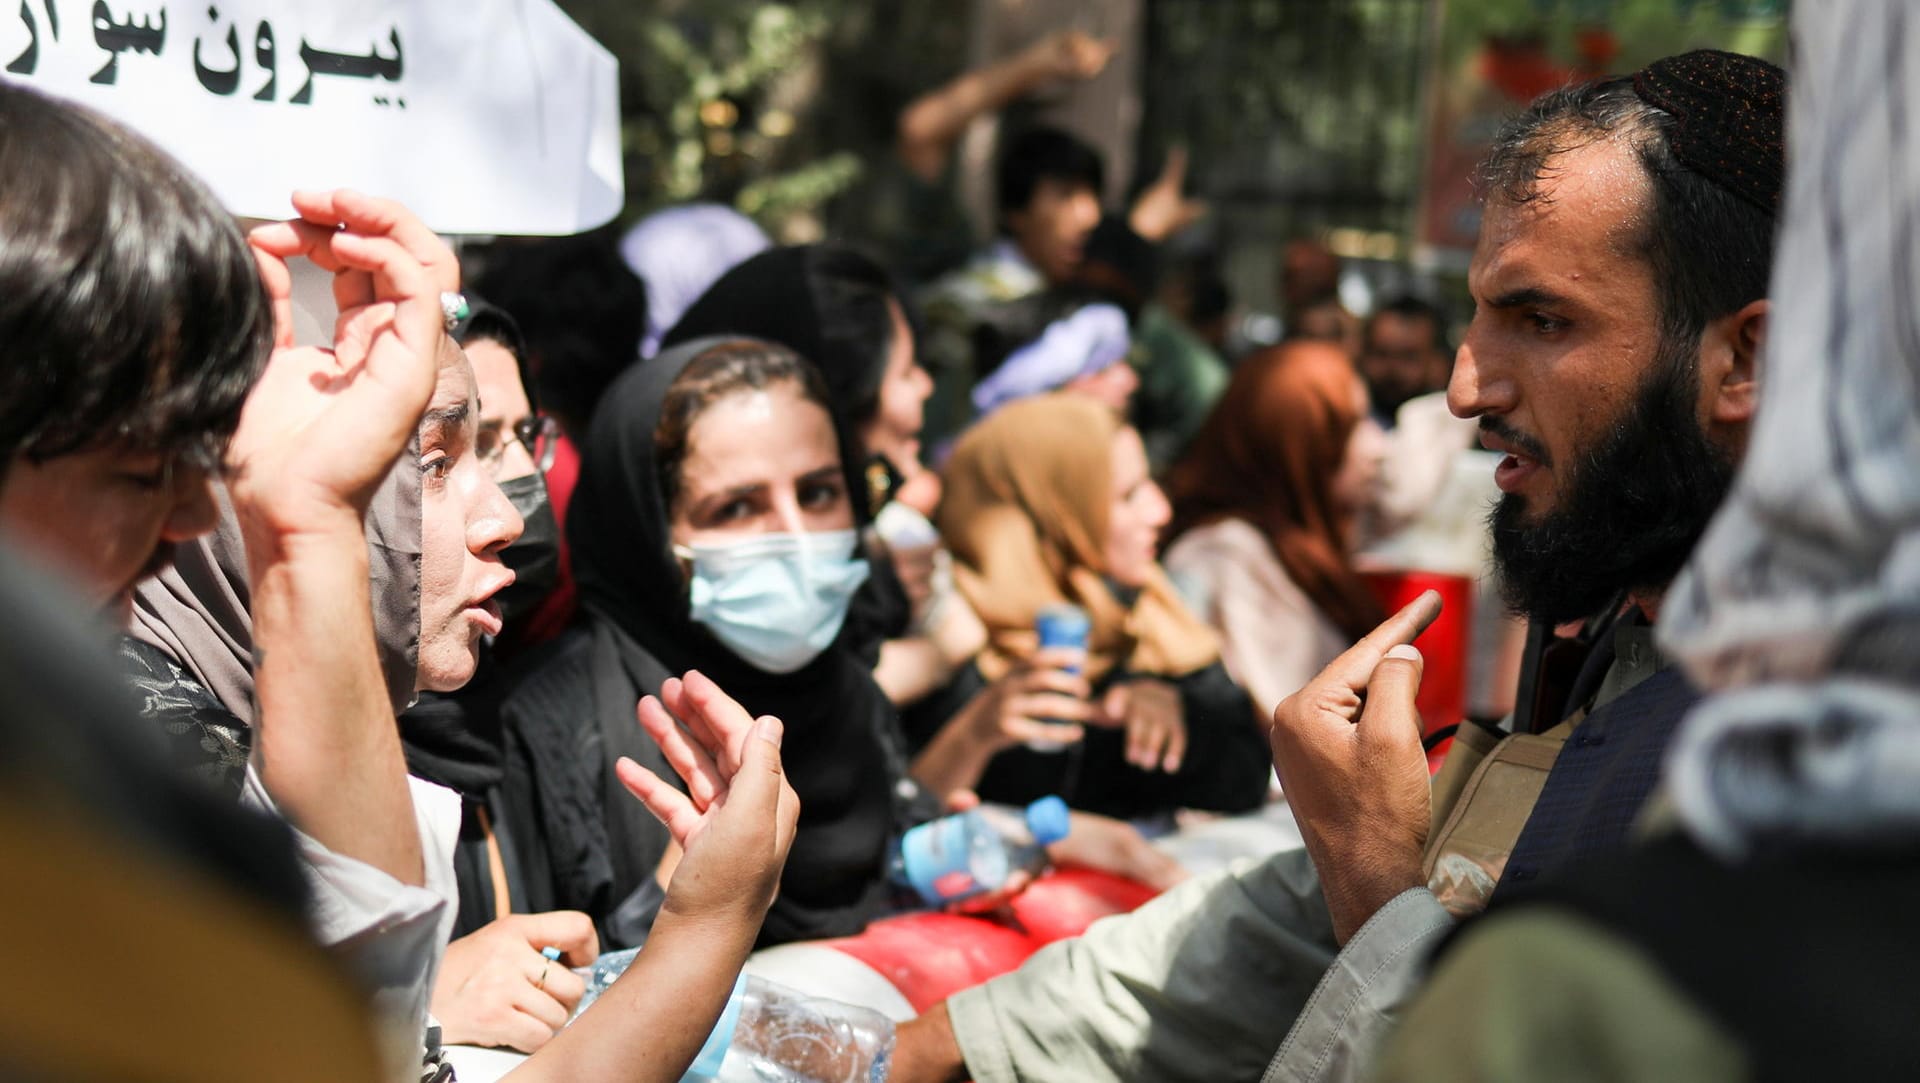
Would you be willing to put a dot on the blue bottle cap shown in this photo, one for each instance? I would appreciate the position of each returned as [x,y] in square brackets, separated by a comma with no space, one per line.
[707,1064]
[1047,819]
[1063,625]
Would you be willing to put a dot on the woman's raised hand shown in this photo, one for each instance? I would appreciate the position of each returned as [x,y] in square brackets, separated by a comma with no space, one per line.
[736,821]
[324,425]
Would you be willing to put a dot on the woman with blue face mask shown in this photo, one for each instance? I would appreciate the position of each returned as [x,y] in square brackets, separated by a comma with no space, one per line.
[716,528]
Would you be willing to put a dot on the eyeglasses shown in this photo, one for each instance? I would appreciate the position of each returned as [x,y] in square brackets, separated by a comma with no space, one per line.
[534,432]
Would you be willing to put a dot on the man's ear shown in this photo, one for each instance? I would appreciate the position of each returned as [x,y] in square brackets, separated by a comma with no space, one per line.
[1730,364]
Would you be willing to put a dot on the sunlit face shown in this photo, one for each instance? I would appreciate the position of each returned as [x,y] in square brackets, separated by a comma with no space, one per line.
[1136,514]
[465,521]
[1565,325]
[1358,480]
[107,517]
[503,405]
[894,429]
[1113,385]
[1052,229]
[760,462]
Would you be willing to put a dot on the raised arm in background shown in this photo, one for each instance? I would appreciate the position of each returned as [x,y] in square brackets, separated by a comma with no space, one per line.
[933,122]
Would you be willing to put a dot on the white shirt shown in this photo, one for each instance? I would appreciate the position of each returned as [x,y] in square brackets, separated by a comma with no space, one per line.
[391,934]
[1273,639]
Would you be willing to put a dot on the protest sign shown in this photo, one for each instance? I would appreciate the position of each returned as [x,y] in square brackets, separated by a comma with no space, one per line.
[485,116]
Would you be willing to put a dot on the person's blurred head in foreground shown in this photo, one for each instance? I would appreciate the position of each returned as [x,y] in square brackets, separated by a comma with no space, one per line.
[133,323]
[1291,448]
[1620,287]
[1404,354]
[679,252]
[1048,191]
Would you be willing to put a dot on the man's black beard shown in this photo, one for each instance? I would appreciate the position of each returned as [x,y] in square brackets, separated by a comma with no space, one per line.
[1387,401]
[1632,511]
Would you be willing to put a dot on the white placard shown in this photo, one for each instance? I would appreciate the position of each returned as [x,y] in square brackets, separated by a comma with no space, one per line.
[484,116]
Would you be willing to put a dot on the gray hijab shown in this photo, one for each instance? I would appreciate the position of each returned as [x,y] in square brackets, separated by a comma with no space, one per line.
[1801,608]
[196,610]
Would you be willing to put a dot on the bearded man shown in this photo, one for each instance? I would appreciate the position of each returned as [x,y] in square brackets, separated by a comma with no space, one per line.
[1620,297]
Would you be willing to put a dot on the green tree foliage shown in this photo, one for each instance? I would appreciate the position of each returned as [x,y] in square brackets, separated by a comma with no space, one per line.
[715,99]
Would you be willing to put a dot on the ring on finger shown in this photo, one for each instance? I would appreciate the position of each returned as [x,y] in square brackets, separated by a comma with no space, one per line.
[548,953]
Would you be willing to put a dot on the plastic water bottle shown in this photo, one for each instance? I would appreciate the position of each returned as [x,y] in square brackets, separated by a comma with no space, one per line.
[1061,625]
[971,853]
[769,1033]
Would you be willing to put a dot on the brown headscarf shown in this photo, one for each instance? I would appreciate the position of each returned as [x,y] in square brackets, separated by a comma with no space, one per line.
[1268,454]
[1025,516]
[196,609]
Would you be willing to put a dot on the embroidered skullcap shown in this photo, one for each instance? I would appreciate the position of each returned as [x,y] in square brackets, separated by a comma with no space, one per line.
[1729,119]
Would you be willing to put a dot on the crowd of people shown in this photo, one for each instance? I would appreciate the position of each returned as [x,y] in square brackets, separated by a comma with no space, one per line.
[572,595]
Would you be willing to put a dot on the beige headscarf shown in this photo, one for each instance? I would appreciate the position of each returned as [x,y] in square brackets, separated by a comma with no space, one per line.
[1025,516]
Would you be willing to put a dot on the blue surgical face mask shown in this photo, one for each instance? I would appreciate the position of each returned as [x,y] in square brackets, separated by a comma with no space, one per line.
[776,600]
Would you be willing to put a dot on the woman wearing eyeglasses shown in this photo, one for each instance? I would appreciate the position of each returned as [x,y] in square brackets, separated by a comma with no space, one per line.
[482,994]
[517,443]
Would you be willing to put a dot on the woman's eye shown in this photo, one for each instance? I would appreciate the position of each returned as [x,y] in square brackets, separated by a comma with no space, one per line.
[732,512]
[821,495]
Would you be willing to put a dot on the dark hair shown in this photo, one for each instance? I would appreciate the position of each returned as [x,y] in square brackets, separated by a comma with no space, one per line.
[491,323]
[131,311]
[1413,308]
[581,308]
[853,298]
[1043,153]
[828,302]
[1211,297]
[721,370]
[1711,251]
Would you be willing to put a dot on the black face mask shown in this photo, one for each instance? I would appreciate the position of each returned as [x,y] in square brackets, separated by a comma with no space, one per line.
[535,555]
[1633,510]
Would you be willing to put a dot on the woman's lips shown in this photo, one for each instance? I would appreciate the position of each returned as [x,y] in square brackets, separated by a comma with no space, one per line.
[487,616]
[485,611]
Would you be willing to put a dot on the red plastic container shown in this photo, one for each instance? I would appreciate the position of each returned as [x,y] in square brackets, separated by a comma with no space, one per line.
[929,957]
[1444,645]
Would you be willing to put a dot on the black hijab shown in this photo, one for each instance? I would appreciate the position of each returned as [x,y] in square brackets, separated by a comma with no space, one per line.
[829,304]
[839,751]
